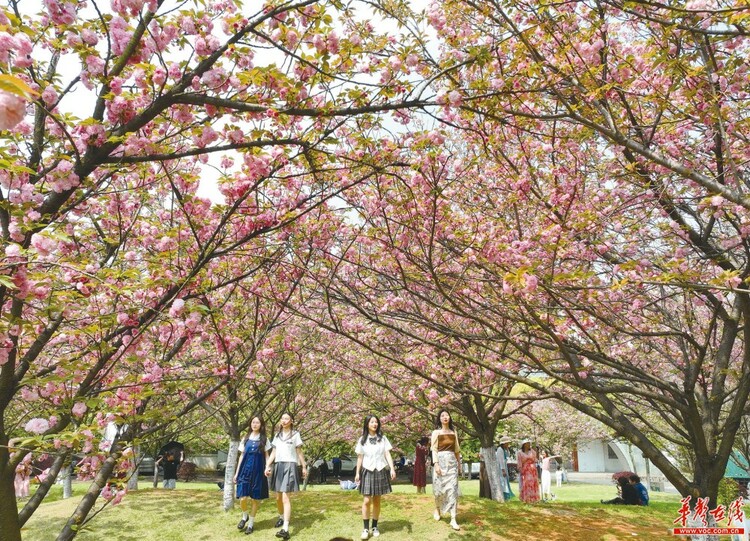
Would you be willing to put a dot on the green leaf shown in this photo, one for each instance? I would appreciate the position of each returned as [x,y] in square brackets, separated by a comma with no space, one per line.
[7,282]
[14,85]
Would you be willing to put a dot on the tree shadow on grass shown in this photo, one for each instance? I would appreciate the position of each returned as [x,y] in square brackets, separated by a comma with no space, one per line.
[559,522]
[157,508]
[304,521]
[265,524]
[404,527]
[171,508]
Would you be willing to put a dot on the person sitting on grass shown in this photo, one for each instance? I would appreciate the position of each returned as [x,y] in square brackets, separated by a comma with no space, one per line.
[640,489]
[628,494]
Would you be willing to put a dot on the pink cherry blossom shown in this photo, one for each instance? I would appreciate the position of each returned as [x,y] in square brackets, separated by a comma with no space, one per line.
[78,409]
[49,95]
[206,46]
[292,39]
[531,282]
[7,46]
[177,307]
[94,65]
[37,425]
[160,76]
[63,12]
[119,495]
[12,110]
[43,244]
[12,250]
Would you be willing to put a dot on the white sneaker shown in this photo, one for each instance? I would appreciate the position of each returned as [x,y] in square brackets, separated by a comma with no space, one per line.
[375,532]
[455,525]
[365,534]
[436,515]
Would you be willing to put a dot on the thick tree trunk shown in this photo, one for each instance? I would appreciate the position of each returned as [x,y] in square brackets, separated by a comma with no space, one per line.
[493,473]
[484,483]
[87,502]
[707,477]
[232,466]
[9,525]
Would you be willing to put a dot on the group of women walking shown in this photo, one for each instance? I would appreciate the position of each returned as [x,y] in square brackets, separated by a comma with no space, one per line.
[277,459]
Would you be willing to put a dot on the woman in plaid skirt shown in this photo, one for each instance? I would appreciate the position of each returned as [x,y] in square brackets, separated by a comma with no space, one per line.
[375,465]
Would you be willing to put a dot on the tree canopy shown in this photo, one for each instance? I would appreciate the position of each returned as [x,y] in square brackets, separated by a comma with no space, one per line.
[202,199]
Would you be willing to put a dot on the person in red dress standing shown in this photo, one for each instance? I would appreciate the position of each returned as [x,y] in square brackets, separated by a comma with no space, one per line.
[420,465]
[528,479]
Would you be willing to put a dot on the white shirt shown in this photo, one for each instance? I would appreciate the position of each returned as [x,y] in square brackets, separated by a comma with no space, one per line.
[244,441]
[286,448]
[373,454]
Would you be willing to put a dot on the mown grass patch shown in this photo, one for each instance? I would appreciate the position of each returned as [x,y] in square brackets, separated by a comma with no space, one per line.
[193,513]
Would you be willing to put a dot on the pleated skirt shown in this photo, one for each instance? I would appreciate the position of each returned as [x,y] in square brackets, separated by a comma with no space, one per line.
[285,478]
[375,483]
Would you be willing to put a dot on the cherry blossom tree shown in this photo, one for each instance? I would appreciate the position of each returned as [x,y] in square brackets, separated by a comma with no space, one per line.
[451,261]
[555,426]
[369,299]
[110,242]
[576,211]
[631,137]
[581,216]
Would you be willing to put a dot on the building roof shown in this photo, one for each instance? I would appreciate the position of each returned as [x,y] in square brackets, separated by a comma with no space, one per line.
[737,467]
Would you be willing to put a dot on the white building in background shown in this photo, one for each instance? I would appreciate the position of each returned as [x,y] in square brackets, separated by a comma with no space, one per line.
[610,456]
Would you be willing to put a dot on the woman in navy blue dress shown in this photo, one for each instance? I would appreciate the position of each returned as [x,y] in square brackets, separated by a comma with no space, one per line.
[250,479]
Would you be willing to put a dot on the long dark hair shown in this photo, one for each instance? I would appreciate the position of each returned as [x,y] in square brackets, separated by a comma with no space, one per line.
[438,424]
[280,428]
[262,430]
[366,429]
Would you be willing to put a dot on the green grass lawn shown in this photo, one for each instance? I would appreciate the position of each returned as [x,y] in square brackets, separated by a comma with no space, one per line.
[193,513]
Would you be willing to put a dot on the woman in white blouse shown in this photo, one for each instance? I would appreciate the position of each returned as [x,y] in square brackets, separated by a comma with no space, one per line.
[375,468]
[286,453]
